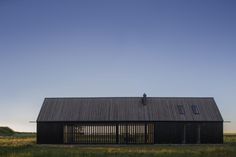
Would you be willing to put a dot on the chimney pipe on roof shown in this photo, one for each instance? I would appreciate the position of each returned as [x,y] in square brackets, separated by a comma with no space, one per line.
[144,99]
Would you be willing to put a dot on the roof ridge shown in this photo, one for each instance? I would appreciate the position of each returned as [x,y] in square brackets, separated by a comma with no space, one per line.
[129,97]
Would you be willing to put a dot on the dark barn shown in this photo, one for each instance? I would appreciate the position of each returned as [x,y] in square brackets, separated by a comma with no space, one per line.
[129,120]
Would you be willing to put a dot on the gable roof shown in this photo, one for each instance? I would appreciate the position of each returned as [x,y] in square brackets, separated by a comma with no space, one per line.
[127,109]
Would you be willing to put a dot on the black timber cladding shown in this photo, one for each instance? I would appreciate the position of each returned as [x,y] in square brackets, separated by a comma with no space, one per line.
[127,109]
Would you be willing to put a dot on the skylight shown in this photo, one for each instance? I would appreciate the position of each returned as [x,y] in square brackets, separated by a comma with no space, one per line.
[195,109]
[181,109]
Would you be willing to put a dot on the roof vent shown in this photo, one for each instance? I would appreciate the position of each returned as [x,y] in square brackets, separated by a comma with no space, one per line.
[144,99]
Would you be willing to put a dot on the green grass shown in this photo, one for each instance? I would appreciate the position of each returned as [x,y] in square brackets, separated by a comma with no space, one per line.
[24,146]
[6,131]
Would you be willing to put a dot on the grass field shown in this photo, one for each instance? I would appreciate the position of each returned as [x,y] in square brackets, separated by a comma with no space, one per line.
[24,146]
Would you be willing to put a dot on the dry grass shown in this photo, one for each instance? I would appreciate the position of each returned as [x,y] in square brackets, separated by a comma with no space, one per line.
[16,141]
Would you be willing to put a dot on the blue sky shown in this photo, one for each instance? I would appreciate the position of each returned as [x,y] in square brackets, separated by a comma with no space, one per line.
[115,48]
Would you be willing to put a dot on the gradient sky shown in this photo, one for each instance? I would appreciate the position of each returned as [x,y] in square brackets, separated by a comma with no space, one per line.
[115,48]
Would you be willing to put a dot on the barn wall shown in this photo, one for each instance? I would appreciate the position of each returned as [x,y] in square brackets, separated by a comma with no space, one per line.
[164,132]
[212,133]
[49,133]
[188,132]
[95,133]
[168,132]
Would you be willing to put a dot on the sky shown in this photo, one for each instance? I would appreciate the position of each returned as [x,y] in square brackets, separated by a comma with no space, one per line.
[165,48]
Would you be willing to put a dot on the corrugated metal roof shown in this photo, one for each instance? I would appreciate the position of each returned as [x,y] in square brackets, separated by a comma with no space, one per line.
[128,109]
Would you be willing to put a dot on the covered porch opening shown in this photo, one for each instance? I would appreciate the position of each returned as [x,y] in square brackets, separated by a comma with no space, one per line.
[109,133]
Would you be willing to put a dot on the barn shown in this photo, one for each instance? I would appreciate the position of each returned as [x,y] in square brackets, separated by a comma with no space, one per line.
[129,120]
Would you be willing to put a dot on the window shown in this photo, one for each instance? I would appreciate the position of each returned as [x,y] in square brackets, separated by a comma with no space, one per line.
[195,109]
[181,109]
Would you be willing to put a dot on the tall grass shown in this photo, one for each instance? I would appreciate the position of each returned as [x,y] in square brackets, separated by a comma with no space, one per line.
[26,147]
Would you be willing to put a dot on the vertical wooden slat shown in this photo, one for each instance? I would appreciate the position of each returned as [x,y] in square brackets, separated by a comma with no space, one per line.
[117,133]
[105,133]
[126,133]
[184,134]
[199,134]
[145,133]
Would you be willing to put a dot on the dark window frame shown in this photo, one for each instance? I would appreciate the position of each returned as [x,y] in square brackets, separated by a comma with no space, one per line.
[195,109]
[181,109]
